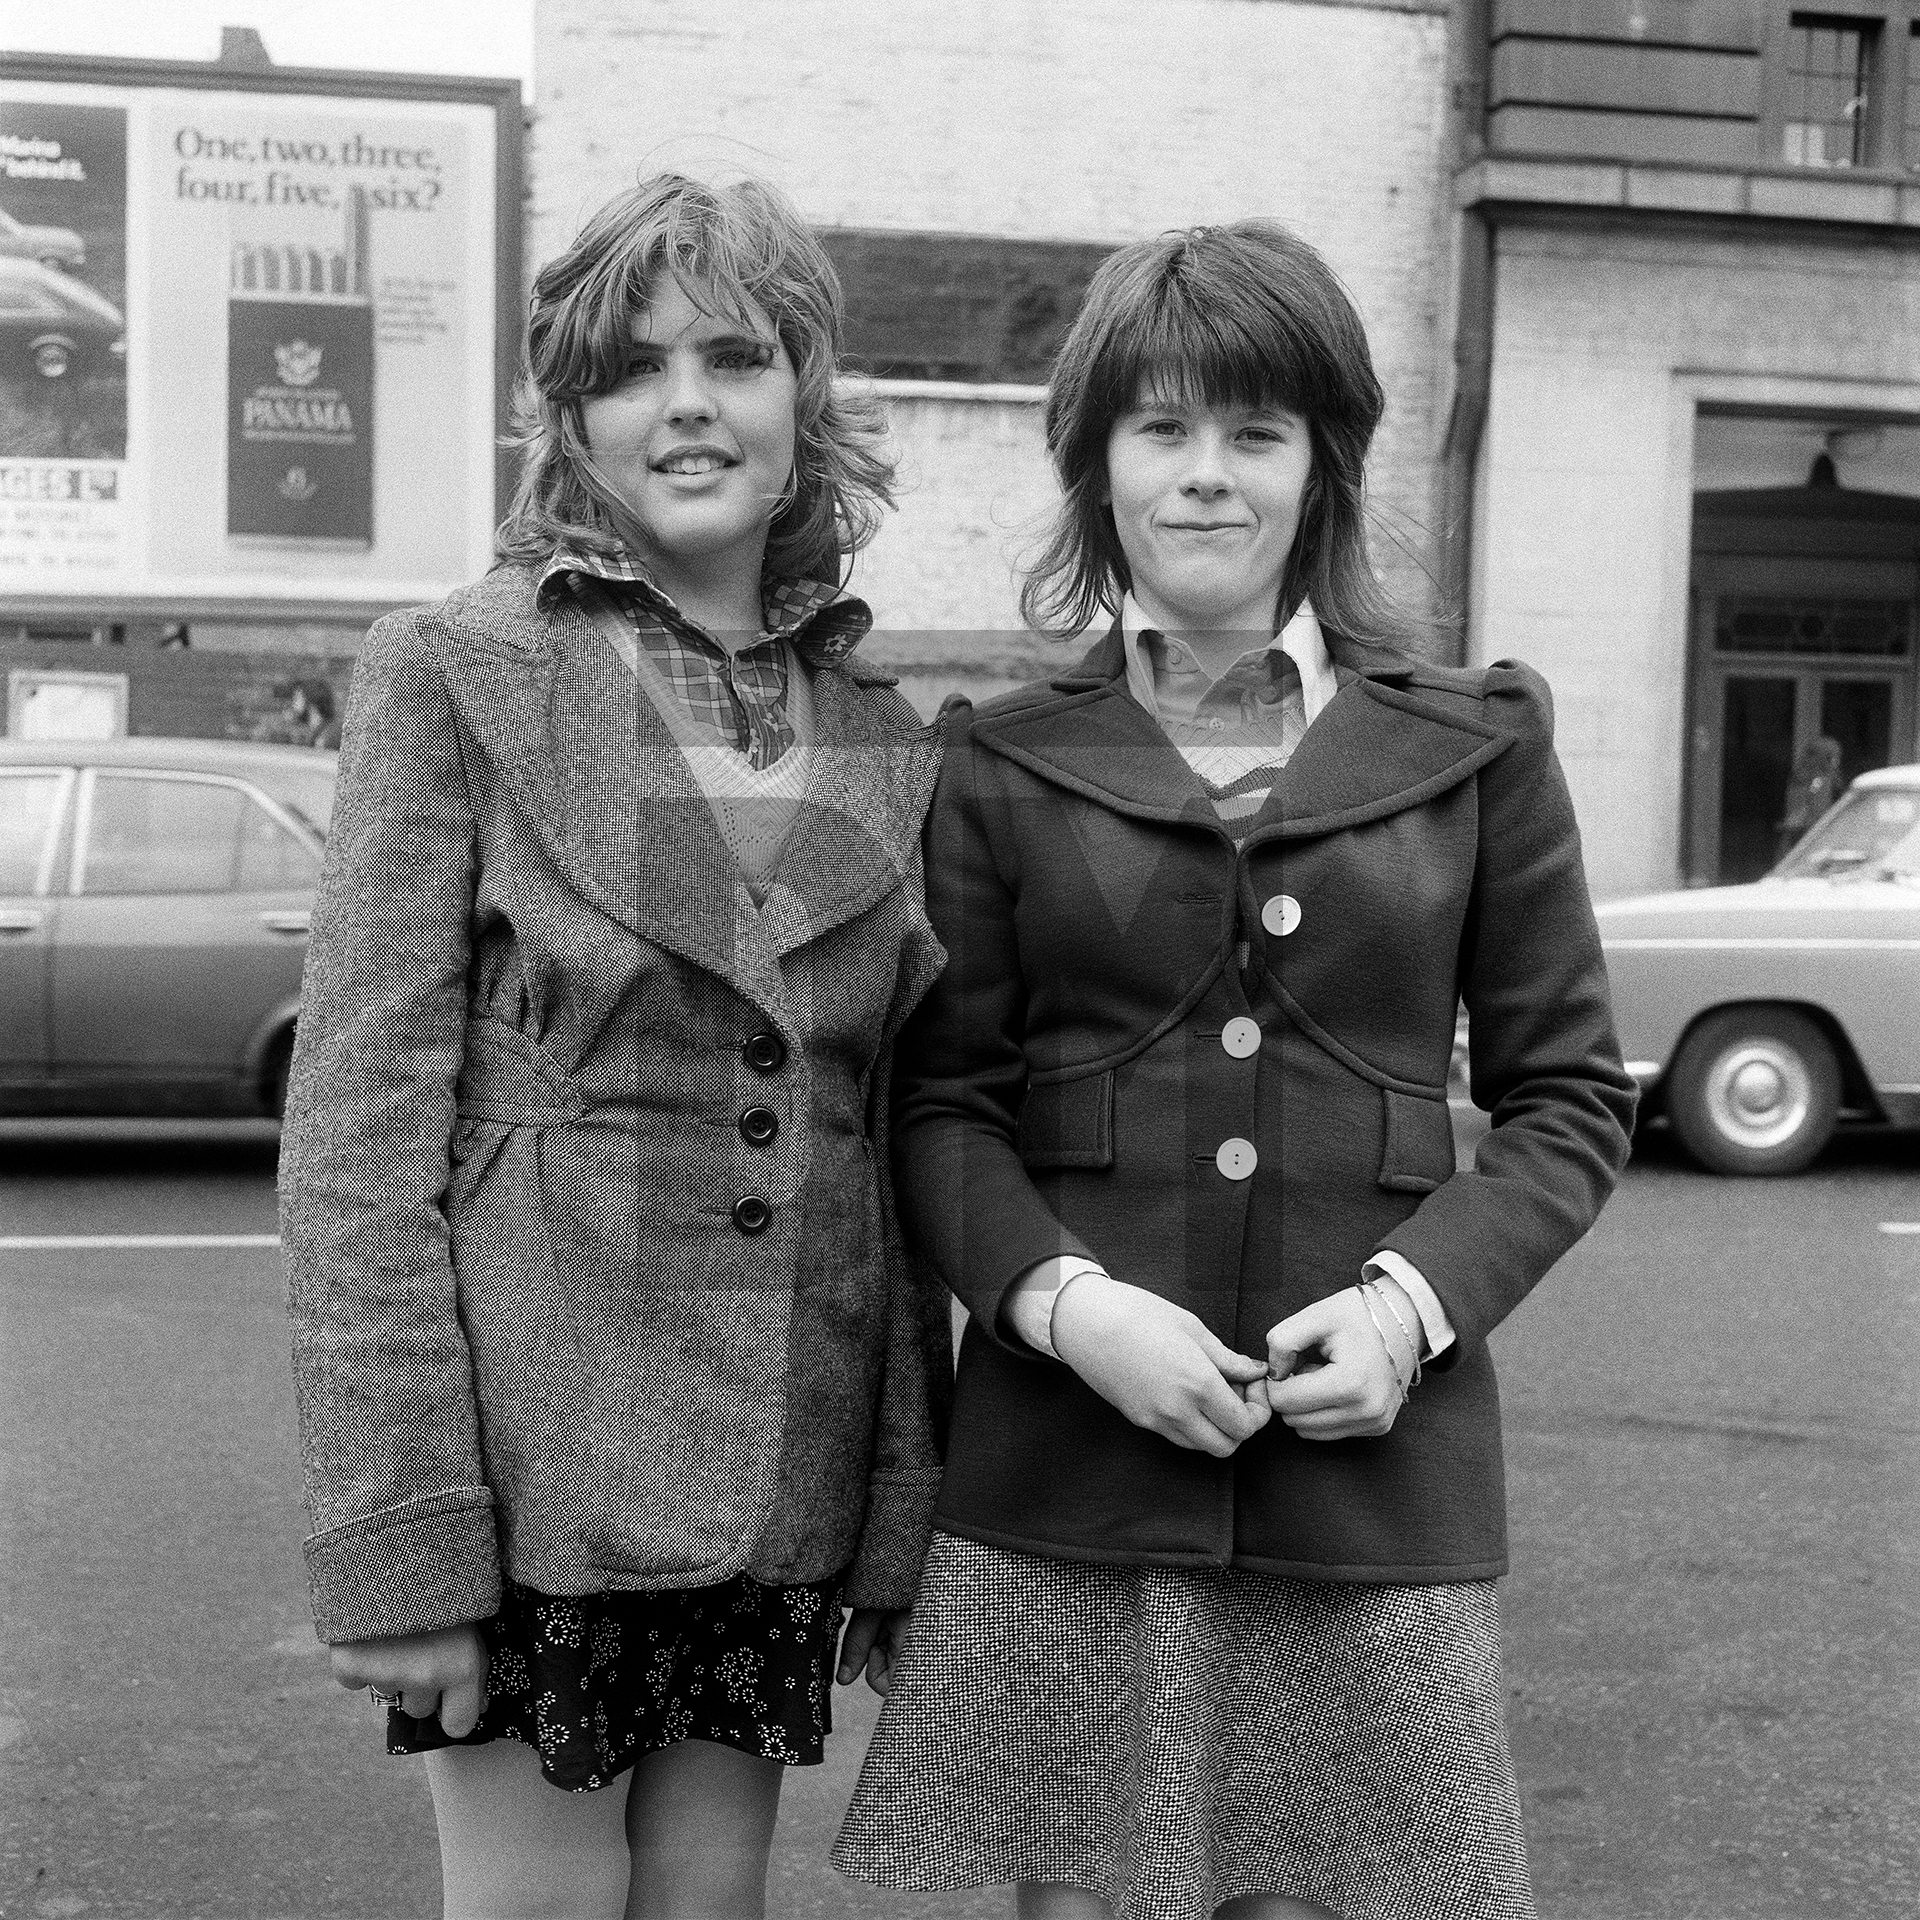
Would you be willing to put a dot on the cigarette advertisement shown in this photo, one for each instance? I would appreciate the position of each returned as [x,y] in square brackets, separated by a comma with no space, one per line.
[247,345]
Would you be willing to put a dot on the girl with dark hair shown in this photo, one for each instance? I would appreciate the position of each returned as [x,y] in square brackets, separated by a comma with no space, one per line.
[614,1385]
[1209,1622]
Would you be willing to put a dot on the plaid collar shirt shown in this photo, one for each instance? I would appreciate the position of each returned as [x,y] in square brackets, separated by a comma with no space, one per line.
[1235,732]
[740,697]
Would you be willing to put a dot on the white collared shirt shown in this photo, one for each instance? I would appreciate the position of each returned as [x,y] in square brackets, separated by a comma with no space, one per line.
[1238,728]
[1161,693]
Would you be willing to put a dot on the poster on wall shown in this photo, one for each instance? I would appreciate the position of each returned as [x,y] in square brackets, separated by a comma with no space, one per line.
[63,294]
[247,344]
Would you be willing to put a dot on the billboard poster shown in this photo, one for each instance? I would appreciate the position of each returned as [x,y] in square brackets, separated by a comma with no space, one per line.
[300,390]
[247,345]
[63,293]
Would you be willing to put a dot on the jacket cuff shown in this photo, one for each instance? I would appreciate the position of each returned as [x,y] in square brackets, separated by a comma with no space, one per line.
[410,1569]
[893,1541]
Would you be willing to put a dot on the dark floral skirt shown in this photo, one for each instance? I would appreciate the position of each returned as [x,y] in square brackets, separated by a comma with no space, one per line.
[594,1683]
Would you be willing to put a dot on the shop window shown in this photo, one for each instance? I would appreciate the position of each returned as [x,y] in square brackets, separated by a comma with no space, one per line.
[1829,91]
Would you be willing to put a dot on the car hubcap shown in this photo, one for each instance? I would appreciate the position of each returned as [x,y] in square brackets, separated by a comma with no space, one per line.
[1759,1094]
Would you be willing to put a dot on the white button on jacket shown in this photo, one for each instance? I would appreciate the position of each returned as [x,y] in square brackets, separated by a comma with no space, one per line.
[1241,1037]
[1237,1158]
[1281,914]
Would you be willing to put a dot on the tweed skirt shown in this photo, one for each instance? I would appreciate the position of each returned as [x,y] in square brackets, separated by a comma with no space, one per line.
[1171,1739]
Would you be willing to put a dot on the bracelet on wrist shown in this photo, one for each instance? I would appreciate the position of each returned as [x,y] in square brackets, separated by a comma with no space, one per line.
[1366,1290]
[1412,1340]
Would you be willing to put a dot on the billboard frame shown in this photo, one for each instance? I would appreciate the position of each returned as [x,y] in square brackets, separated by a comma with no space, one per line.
[502,96]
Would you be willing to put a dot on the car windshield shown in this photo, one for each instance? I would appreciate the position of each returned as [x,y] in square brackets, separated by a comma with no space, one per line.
[1874,833]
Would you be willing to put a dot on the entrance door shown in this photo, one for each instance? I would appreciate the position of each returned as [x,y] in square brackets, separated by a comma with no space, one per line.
[1776,675]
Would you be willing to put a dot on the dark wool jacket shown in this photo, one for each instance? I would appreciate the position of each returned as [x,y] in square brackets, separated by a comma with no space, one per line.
[1064,1088]
[566,1307]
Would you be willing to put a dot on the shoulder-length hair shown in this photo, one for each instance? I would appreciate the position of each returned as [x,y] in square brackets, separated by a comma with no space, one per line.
[731,248]
[1246,315]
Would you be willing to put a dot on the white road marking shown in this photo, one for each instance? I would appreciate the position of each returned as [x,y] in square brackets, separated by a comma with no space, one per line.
[49,1242]
[1900,1226]
[1730,943]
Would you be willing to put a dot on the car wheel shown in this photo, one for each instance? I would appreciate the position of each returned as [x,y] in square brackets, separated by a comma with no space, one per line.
[1755,1090]
[52,357]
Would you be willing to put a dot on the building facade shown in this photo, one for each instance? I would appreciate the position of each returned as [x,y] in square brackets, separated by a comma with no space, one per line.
[944,150]
[1642,280]
[1689,405]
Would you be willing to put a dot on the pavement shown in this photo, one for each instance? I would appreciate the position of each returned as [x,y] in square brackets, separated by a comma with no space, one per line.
[1713,1623]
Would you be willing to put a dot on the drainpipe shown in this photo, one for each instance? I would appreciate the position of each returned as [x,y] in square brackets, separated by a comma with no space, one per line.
[1472,323]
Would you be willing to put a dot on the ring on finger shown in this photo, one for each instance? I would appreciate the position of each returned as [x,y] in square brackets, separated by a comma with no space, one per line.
[380,1699]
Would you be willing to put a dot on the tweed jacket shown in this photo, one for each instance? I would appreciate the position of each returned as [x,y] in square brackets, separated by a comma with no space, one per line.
[1084,1079]
[588,1224]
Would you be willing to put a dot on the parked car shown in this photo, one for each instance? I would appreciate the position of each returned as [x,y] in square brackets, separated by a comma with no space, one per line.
[55,321]
[154,902]
[52,246]
[1757,1018]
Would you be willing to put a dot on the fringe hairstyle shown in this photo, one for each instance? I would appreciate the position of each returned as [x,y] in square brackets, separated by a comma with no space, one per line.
[1244,315]
[732,249]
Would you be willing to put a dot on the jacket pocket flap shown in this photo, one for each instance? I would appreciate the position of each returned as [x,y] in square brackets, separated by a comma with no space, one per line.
[1068,1123]
[1417,1155]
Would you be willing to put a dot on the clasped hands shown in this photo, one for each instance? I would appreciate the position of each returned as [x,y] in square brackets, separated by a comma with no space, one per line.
[1162,1367]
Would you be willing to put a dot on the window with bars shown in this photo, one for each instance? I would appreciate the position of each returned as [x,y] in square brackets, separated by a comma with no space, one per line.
[1829,91]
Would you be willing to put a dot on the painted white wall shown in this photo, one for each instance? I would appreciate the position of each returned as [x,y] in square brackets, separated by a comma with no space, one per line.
[974,496]
[1605,343]
[1049,119]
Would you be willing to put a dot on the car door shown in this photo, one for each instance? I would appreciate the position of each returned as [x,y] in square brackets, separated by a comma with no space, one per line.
[184,934]
[32,803]
[1871,978]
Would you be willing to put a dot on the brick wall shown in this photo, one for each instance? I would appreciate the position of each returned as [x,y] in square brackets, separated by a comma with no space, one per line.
[199,696]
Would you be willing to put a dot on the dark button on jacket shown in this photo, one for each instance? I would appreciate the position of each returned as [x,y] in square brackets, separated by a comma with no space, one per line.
[752,1214]
[1086,1078]
[764,1052]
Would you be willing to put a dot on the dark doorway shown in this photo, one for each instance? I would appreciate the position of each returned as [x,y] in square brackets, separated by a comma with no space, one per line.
[1803,663]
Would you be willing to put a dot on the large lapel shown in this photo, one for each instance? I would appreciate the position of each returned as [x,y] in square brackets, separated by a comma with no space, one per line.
[1093,738]
[599,779]
[858,832]
[1378,747]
